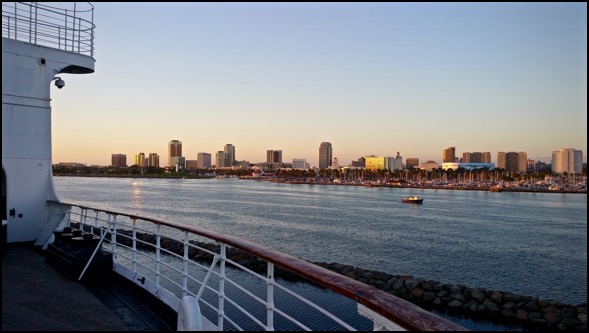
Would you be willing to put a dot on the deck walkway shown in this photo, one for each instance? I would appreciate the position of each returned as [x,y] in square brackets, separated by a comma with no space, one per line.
[37,297]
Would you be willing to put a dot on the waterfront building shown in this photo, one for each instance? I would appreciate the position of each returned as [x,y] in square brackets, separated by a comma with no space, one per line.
[140,160]
[429,165]
[300,163]
[178,163]
[119,160]
[241,165]
[174,150]
[501,160]
[467,166]
[512,161]
[476,157]
[274,156]
[398,162]
[191,164]
[412,163]
[449,155]
[360,163]
[567,160]
[203,161]
[220,159]
[388,163]
[334,164]
[375,163]
[486,157]
[325,155]
[508,161]
[153,160]
[229,151]
[522,162]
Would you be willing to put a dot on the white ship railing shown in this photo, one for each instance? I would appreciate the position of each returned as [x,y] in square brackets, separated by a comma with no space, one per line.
[68,29]
[161,257]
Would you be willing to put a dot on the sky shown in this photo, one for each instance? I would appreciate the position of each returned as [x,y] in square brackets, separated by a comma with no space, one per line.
[370,78]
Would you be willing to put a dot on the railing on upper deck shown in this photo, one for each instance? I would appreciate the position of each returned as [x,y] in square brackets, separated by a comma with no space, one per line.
[231,295]
[64,29]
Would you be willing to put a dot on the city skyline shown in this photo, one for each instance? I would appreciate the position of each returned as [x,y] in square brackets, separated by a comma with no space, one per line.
[370,78]
[326,152]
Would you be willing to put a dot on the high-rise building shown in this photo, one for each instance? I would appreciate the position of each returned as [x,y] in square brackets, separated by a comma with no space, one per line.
[476,157]
[140,160]
[174,152]
[273,156]
[300,163]
[203,161]
[360,163]
[119,160]
[229,151]
[153,160]
[449,155]
[486,157]
[511,161]
[325,155]
[567,160]
[501,160]
[220,159]
[522,162]
[412,163]
[398,162]
[375,162]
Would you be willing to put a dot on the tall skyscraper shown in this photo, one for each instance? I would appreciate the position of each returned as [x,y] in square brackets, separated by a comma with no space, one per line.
[119,160]
[501,160]
[511,161]
[273,156]
[398,162]
[140,160]
[325,155]
[522,162]
[412,163]
[449,155]
[567,160]
[203,161]
[229,151]
[174,152]
[220,159]
[153,160]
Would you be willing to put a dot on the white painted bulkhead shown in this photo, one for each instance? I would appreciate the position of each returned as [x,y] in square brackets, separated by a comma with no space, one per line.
[28,71]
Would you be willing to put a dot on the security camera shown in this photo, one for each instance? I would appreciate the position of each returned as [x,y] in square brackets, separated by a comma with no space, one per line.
[59,83]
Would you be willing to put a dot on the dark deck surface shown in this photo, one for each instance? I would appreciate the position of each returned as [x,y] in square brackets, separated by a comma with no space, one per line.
[37,297]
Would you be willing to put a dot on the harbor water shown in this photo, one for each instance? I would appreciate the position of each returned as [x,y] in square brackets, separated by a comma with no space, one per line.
[526,243]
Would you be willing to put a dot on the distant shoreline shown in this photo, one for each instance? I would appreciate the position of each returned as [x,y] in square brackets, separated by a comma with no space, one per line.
[282,181]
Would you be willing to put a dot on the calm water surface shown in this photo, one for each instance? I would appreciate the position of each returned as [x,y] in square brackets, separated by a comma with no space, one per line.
[526,243]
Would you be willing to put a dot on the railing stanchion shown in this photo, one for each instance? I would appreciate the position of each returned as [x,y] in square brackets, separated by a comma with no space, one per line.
[185,266]
[223,259]
[134,253]
[270,297]
[158,254]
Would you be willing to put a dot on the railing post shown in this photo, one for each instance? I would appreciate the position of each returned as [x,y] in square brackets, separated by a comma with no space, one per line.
[185,266]
[112,220]
[157,255]
[222,258]
[270,297]
[83,214]
[134,240]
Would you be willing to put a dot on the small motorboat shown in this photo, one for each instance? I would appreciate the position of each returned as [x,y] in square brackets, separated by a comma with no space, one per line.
[416,199]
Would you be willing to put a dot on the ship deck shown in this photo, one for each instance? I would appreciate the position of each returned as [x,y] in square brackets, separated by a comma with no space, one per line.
[37,297]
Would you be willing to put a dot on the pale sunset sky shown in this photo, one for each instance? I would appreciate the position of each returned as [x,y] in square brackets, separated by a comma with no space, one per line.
[371,78]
